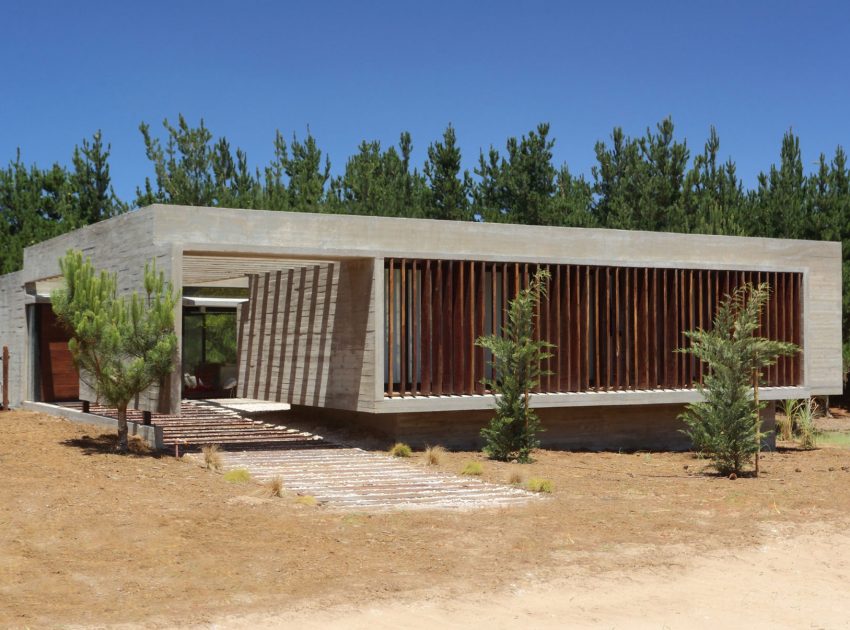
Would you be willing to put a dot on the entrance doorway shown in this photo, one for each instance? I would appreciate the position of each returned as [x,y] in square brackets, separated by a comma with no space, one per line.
[209,352]
[58,377]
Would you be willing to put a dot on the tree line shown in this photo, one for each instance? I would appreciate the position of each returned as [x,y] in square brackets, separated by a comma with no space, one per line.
[649,182]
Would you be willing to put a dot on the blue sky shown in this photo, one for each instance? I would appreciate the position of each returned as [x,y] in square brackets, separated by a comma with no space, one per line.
[368,70]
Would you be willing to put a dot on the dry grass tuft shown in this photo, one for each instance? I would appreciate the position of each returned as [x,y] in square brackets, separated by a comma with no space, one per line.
[237,475]
[806,434]
[307,499]
[515,478]
[400,449]
[536,484]
[138,446]
[433,455]
[473,468]
[275,487]
[784,428]
[212,457]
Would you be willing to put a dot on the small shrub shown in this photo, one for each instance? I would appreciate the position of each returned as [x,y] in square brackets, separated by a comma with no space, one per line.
[473,468]
[275,487]
[433,455]
[400,449]
[307,499]
[212,457]
[536,484]
[515,479]
[237,475]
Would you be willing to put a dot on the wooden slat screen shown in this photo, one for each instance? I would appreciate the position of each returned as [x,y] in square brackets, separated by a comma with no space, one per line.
[613,328]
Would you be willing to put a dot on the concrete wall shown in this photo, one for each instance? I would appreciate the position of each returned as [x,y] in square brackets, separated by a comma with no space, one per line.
[13,333]
[121,245]
[309,346]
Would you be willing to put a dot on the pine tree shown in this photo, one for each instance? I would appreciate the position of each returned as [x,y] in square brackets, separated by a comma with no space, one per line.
[714,201]
[518,188]
[449,198]
[121,346]
[192,170]
[726,424]
[92,183]
[517,367]
[380,183]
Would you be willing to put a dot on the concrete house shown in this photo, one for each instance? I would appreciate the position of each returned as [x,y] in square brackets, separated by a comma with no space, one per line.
[373,320]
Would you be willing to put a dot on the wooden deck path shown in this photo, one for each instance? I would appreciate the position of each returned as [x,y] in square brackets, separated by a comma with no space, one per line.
[338,477]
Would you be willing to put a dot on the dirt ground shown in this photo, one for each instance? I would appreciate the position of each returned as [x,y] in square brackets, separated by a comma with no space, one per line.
[88,537]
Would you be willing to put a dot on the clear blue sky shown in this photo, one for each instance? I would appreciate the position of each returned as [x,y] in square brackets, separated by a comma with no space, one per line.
[368,70]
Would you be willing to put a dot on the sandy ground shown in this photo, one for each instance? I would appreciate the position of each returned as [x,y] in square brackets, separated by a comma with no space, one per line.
[800,580]
[90,538]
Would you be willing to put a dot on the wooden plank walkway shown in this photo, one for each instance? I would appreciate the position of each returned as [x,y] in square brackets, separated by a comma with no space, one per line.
[354,479]
[338,477]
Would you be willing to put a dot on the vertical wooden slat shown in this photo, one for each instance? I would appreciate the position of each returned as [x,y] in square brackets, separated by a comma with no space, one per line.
[494,309]
[576,332]
[451,346]
[415,325]
[681,340]
[459,351]
[479,332]
[636,354]
[666,326]
[644,361]
[546,328]
[774,323]
[402,329]
[587,345]
[652,320]
[700,317]
[786,328]
[768,320]
[439,328]
[608,333]
[627,329]
[390,322]
[567,360]
[427,347]
[798,318]
[472,290]
[556,300]
[618,372]
[691,298]
[596,347]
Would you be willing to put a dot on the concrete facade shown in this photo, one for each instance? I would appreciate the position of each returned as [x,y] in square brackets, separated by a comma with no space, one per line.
[196,246]
[13,333]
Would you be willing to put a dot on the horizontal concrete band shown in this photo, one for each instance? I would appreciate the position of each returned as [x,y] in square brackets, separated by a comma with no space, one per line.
[578,399]
[150,435]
